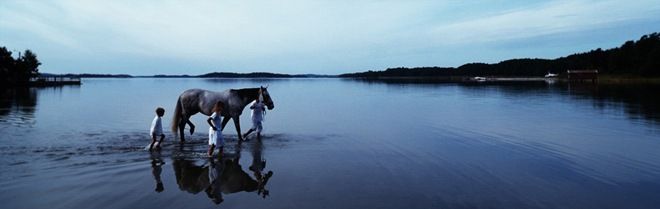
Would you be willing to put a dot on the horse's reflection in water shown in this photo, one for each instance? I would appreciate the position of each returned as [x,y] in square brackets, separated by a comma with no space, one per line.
[222,176]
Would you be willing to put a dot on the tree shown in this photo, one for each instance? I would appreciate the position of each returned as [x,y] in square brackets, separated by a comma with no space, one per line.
[17,71]
[27,66]
[7,64]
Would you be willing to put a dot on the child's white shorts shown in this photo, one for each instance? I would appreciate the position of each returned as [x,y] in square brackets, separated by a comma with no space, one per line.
[257,126]
[215,137]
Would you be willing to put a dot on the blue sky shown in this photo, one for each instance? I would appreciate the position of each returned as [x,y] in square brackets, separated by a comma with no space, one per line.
[323,37]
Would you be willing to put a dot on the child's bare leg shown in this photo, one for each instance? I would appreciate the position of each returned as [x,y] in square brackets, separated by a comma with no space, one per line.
[259,128]
[248,133]
[211,148]
[222,151]
[153,141]
[162,136]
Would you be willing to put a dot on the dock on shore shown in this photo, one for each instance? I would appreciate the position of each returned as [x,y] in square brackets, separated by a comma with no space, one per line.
[54,81]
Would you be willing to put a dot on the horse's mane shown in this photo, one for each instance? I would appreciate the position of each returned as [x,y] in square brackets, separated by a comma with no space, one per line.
[247,92]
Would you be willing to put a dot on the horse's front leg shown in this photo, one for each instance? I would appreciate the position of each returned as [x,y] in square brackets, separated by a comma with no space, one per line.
[238,128]
[224,122]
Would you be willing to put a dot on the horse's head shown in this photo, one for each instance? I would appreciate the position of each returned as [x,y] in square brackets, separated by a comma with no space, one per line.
[267,100]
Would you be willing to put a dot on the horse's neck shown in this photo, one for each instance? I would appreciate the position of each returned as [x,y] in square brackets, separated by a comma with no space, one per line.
[246,101]
[247,96]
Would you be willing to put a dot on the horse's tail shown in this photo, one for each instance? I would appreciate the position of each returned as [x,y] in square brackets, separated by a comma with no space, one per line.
[177,116]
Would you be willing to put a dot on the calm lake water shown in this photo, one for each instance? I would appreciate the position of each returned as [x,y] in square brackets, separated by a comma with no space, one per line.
[333,143]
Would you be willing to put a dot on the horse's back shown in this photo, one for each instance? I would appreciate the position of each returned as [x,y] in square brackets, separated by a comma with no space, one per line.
[191,94]
[200,100]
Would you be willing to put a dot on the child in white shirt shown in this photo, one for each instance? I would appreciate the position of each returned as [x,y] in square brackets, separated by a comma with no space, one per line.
[215,133]
[258,110]
[157,129]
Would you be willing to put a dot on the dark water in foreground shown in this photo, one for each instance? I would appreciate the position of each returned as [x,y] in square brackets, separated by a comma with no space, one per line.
[333,143]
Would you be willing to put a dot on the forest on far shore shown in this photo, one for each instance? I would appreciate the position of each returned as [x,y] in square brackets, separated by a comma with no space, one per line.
[633,58]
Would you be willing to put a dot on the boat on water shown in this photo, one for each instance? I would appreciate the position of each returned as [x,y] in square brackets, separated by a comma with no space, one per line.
[479,79]
[551,75]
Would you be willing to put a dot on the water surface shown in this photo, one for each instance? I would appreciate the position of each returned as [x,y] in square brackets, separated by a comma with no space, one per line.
[333,143]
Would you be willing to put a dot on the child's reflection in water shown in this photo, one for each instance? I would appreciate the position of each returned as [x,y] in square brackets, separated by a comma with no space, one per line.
[156,163]
[214,191]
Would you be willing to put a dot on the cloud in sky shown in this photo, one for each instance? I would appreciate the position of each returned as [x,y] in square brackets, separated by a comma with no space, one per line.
[194,37]
[549,18]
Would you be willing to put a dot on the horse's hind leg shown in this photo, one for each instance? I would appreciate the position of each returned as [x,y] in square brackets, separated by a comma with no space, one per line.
[182,125]
[192,126]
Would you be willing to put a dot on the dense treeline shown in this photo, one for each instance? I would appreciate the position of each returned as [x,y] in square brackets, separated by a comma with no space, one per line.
[244,75]
[17,71]
[633,58]
[259,75]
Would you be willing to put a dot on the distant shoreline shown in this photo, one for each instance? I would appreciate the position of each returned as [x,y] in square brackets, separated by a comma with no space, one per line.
[603,79]
[632,61]
[208,75]
[638,58]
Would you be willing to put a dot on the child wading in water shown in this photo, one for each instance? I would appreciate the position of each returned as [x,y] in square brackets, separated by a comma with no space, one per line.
[215,134]
[157,129]
[258,110]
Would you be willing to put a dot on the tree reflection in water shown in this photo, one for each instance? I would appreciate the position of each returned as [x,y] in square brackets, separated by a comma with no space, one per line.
[638,100]
[17,105]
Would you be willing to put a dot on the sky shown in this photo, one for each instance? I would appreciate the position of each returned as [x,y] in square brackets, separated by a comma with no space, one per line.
[319,37]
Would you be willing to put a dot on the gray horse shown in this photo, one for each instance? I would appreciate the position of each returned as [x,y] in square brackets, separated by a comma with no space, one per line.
[192,101]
